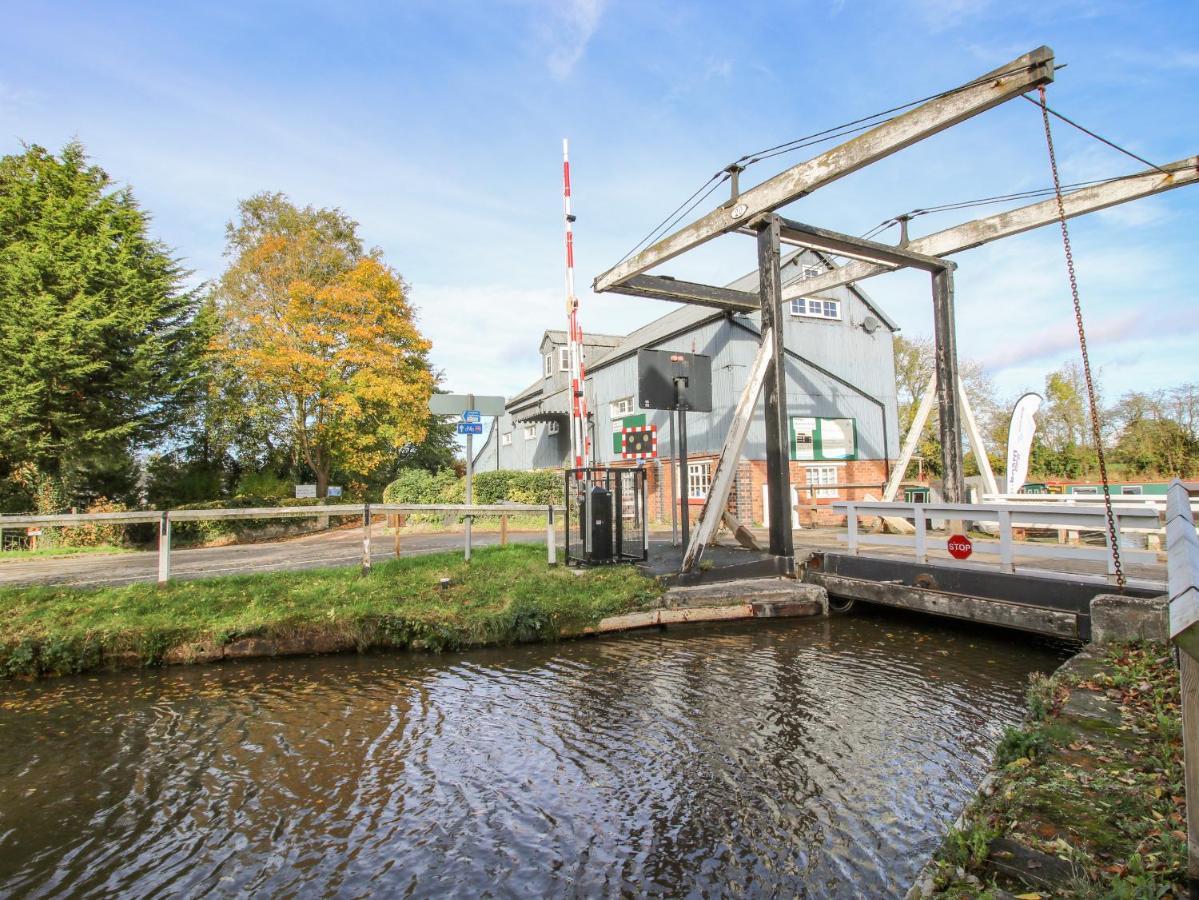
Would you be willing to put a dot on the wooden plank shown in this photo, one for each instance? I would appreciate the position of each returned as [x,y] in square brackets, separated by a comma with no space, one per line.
[774,392]
[1014,221]
[915,430]
[1008,81]
[662,287]
[725,470]
[976,439]
[1189,679]
[955,606]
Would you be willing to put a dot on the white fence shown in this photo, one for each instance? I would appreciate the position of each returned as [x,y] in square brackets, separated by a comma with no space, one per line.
[164,519]
[1005,517]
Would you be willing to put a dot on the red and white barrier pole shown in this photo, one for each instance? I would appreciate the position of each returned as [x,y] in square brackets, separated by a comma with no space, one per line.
[579,444]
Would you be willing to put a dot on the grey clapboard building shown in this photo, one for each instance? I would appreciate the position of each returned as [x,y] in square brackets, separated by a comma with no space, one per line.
[841,399]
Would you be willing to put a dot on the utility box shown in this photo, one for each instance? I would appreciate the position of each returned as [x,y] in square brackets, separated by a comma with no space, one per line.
[597,524]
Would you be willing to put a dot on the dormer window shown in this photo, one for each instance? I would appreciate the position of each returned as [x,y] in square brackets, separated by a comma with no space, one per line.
[549,365]
[563,359]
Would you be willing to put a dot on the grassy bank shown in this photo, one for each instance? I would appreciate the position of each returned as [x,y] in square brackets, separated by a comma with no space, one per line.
[504,595]
[1087,799]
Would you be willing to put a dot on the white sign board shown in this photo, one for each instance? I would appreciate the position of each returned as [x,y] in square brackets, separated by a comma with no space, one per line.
[334,490]
[457,404]
[305,490]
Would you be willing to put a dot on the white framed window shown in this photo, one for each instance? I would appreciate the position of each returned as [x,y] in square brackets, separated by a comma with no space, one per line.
[699,480]
[818,438]
[563,359]
[530,432]
[620,408]
[549,365]
[1089,491]
[837,439]
[506,440]
[805,437]
[822,475]
[816,308]
[1134,489]
[552,428]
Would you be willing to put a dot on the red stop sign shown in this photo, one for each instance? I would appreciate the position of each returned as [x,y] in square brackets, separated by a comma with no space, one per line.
[960,546]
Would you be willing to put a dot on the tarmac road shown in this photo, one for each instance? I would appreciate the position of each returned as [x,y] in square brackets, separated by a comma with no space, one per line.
[342,547]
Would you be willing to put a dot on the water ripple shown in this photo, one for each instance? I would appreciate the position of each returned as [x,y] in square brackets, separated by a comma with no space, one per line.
[817,759]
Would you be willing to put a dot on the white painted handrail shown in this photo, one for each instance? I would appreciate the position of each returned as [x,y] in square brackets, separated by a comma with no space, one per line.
[1006,516]
[165,518]
[1182,546]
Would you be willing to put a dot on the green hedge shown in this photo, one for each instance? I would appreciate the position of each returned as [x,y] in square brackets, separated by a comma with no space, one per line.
[503,486]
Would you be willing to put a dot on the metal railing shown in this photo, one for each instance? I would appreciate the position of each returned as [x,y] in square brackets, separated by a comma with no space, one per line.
[1006,516]
[165,518]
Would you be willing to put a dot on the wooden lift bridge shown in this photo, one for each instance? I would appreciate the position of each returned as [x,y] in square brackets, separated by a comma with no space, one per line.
[753,212]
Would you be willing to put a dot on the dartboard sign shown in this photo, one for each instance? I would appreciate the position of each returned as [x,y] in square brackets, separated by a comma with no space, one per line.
[639,442]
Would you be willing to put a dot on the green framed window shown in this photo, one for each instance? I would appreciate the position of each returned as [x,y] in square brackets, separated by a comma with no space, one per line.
[814,438]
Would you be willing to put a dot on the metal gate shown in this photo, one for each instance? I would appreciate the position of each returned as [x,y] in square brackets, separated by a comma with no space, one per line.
[606,515]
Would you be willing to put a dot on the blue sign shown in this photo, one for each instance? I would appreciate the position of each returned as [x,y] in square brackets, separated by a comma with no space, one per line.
[470,427]
[472,415]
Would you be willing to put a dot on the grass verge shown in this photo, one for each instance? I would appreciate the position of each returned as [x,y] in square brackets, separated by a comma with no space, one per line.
[504,595]
[1088,795]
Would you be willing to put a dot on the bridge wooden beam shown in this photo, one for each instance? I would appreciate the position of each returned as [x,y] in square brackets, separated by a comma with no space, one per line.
[1014,221]
[948,109]
[662,287]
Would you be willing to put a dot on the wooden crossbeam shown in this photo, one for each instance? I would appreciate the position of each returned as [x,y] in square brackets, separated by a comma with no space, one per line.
[662,287]
[834,242]
[1011,80]
[1014,221]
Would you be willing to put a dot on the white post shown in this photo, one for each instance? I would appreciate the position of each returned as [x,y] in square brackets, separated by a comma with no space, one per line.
[164,548]
[851,525]
[1107,540]
[551,538]
[921,524]
[470,471]
[1007,560]
[366,538]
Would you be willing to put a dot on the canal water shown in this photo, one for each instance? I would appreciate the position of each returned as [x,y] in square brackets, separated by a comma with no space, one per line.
[802,758]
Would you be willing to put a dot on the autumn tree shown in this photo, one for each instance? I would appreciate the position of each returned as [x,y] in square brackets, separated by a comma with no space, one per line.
[97,346]
[317,340]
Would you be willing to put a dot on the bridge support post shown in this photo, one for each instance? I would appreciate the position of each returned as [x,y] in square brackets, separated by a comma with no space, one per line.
[946,363]
[774,391]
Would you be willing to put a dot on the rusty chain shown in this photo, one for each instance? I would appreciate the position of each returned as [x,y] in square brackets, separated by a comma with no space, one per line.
[1113,535]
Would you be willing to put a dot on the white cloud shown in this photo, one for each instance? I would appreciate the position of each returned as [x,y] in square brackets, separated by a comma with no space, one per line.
[568,28]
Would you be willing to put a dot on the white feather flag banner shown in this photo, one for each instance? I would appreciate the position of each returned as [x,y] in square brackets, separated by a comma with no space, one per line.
[1019,440]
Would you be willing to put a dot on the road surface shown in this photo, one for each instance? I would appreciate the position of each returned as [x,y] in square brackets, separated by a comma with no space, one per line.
[342,547]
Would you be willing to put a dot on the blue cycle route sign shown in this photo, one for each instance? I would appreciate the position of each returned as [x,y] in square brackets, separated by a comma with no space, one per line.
[470,427]
[472,415]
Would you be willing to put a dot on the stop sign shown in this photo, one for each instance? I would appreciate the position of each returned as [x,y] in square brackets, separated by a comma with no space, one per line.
[960,546]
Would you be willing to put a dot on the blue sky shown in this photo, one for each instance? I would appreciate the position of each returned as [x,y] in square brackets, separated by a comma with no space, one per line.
[438,127]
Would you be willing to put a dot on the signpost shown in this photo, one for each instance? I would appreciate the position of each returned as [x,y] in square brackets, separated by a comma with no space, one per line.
[679,382]
[470,409]
[960,546]
[305,490]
